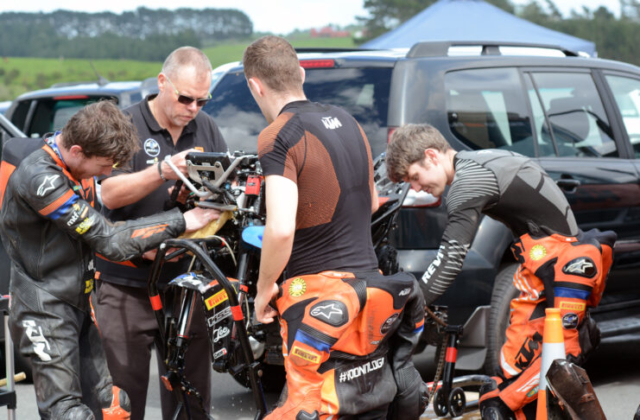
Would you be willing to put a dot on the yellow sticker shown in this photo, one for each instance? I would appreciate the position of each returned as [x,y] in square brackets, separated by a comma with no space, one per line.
[573,306]
[538,252]
[306,355]
[88,286]
[297,287]
[84,226]
[216,299]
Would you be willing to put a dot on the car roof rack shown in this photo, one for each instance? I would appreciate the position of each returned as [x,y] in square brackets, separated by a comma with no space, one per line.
[441,48]
[329,49]
[67,84]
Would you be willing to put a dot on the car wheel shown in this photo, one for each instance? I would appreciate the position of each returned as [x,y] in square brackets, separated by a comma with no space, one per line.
[503,292]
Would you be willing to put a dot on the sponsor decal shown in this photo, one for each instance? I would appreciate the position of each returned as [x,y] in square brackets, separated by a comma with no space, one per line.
[225,313]
[331,123]
[538,252]
[199,148]
[527,352]
[330,312]
[75,214]
[570,321]
[533,392]
[583,267]
[35,335]
[87,193]
[47,185]
[297,287]
[573,306]
[434,265]
[88,286]
[215,300]
[147,232]
[405,292]
[364,369]
[220,353]
[386,326]
[151,147]
[305,355]
[84,226]
[220,333]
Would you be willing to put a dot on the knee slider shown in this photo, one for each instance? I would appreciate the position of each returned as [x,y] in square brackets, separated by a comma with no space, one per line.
[495,409]
[75,410]
[303,415]
[116,406]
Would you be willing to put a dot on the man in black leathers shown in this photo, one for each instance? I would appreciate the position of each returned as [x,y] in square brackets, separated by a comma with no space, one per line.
[49,226]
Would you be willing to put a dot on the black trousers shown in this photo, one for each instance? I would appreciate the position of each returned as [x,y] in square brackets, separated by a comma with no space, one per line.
[69,364]
[129,332]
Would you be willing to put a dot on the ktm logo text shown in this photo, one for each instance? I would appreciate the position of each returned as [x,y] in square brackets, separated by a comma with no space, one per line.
[331,123]
[147,232]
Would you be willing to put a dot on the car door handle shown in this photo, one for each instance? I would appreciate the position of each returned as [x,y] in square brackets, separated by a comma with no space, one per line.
[567,184]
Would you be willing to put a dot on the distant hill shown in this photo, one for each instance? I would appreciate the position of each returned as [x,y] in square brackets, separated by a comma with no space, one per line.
[143,34]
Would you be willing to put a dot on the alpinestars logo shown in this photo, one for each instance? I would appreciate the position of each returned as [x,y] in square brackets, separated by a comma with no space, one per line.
[40,343]
[330,312]
[47,185]
[583,267]
[358,371]
[331,123]
[326,311]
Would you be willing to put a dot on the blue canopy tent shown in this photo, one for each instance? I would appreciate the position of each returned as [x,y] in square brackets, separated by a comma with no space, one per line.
[474,20]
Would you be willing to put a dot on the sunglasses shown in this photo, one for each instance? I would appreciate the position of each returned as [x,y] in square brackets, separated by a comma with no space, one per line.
[187,100]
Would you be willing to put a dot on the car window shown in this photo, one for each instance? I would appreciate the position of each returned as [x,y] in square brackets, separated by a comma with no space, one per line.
[626,92]
[52,115]
[486,109]
[363,92]
[568,110]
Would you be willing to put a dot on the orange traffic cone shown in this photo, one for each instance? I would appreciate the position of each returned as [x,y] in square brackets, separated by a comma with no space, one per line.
[552,349]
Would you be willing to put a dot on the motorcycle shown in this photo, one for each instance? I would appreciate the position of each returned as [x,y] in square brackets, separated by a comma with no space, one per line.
[223,276]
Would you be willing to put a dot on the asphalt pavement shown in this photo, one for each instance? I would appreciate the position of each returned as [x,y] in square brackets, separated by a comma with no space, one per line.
[614,371]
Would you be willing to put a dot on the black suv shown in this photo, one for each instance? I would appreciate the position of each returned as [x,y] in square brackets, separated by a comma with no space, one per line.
[47,110]
[578,117]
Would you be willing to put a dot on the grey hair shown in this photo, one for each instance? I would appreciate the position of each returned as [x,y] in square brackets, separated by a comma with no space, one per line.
[183,57]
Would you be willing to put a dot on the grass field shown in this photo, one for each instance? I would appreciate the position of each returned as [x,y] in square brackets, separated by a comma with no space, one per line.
[20,75]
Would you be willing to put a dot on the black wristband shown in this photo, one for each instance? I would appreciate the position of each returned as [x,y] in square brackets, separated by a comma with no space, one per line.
[160,172]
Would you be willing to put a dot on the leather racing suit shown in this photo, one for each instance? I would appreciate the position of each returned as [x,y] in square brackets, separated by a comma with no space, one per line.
[49,227]
[559,264]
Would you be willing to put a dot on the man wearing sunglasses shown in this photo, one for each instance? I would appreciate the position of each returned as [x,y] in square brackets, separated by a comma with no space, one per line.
[169,124]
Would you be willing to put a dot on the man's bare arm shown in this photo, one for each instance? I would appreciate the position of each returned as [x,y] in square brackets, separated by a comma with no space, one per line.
[122,190]
[277,242]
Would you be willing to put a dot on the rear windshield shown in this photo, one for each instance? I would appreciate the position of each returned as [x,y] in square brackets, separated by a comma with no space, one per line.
[49,115]
[363,92]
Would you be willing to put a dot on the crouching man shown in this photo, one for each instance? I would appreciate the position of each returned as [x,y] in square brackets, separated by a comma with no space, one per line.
[560,266]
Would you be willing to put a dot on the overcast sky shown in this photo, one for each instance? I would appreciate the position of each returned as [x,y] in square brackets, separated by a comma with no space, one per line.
[279,16]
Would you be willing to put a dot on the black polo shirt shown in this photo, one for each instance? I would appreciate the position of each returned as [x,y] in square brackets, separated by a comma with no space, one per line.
[155,143]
